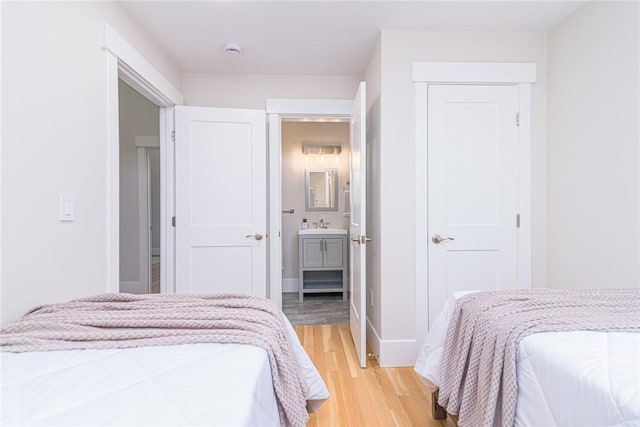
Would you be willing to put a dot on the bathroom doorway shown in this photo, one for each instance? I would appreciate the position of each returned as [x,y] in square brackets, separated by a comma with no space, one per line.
[315,220]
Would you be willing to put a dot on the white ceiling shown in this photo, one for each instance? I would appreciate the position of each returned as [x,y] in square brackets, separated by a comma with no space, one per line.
[317,37]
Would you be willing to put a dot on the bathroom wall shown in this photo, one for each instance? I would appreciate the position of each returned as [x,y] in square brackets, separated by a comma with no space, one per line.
[294,163]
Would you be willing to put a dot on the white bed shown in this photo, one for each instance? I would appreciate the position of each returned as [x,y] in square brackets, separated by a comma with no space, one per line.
[564,378]
[196,384]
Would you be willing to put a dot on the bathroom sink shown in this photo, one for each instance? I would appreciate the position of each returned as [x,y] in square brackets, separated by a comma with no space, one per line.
[322,231]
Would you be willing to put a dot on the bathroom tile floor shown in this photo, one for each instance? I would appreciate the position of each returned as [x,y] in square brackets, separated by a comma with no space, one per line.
[318,309]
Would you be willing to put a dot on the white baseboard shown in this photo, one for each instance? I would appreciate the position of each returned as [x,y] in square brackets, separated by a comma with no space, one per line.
[133,288]
[290,285]
[155,251]
[391,353]
[398,353]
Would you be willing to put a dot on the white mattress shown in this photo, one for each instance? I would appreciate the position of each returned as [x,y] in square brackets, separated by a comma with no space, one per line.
[564,378]
[197,384]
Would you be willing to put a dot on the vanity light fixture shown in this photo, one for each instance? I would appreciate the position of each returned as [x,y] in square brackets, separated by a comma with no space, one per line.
[321,149]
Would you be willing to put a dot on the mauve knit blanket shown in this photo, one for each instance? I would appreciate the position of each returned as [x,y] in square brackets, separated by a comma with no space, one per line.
[478,367]
[125,320]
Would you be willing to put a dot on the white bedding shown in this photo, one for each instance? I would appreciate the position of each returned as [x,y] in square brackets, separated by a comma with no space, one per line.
[564,378]
[196,384]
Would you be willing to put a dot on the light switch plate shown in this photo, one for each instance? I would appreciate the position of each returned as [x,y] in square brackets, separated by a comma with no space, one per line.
[67,208]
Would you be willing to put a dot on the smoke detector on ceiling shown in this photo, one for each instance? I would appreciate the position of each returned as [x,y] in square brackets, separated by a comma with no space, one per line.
[232,48]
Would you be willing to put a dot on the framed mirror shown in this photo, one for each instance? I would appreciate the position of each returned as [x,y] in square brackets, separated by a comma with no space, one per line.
[321,189]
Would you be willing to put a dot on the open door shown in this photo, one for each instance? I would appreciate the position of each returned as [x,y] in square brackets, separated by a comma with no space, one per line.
[221,243]
[357,228]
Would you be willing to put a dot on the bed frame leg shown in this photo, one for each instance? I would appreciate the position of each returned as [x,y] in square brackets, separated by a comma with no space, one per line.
[437,411]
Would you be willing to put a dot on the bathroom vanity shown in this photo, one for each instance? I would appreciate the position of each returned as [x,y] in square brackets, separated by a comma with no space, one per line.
[322,261]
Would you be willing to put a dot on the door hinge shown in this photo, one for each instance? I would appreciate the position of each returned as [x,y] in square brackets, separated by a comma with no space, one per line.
[173,135]
[517,119]
[518,220]
[173,221]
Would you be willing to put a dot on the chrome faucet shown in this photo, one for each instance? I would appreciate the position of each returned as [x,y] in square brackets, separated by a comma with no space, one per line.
[323,223]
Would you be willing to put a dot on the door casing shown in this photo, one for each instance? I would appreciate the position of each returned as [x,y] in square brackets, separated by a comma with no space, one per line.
[425,74]
[144,144]
[124,62]
[277,110]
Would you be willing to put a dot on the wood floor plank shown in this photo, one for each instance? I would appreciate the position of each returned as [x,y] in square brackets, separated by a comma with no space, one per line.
[350,352]
[363,397]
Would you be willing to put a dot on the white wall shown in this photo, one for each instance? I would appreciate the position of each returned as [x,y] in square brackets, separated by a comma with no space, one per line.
[592,157]
[251,90]
[294,136]
[373,74]
[399,50]
[138,117]
[54,141]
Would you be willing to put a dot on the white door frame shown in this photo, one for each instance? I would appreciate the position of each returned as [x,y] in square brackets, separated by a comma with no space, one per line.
[278,109]
[126,63]
[521,75]
[143,146]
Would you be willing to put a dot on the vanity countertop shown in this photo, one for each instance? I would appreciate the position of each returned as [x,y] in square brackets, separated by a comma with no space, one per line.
[312,231]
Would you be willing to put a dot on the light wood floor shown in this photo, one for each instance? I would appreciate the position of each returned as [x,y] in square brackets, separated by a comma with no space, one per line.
[363,397]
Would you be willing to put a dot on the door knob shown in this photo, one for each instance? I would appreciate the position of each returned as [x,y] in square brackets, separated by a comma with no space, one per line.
[438,239]
[256,236]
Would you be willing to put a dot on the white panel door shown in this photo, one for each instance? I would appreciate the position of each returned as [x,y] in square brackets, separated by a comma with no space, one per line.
[472,189]
[220,201]
[358,228]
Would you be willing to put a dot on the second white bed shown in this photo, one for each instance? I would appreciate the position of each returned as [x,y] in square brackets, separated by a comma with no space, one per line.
[564,378]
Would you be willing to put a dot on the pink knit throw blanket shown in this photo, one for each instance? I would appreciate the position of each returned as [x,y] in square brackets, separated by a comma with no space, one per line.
[478,367]
[125,320]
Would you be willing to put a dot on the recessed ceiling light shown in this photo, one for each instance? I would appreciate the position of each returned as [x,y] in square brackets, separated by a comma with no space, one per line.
[232,48]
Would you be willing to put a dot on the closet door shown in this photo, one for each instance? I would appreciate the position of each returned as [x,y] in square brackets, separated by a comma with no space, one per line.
[220,201]
[472,189]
